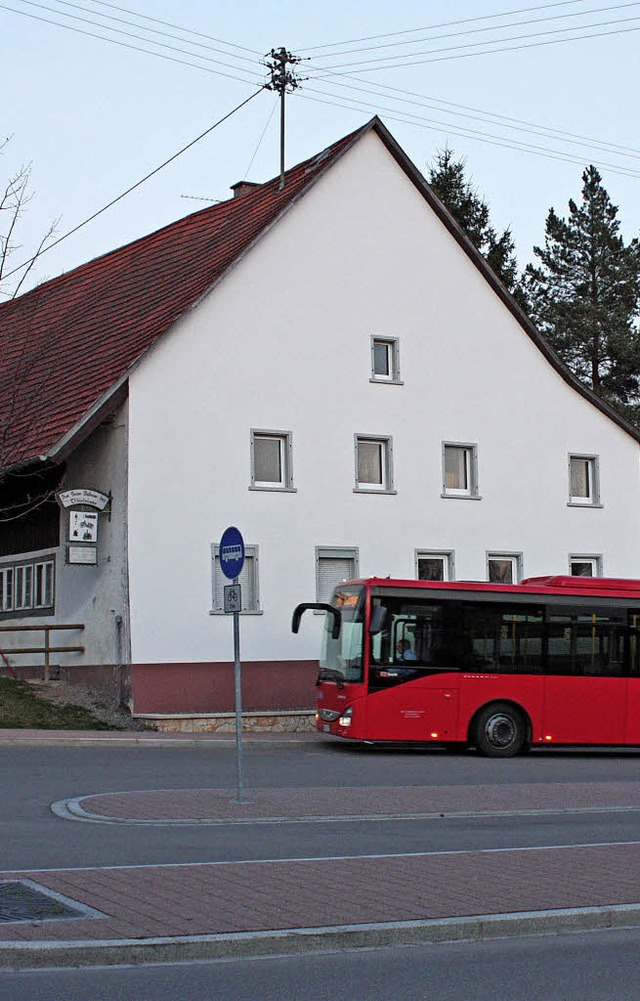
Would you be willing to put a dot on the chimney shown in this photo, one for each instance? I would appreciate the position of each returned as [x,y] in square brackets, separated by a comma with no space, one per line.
[241,187]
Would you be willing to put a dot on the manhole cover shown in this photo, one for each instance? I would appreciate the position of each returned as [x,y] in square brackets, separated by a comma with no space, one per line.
[22,900]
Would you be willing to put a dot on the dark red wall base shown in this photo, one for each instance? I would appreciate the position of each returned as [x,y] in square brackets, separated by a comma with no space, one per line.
[209,687]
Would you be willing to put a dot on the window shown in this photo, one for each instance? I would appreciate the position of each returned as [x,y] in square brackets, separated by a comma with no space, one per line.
[434,565]
[333,566]
[248,581]
[504,568]
[585,566]
[504,639]
[384,360]
[584,481]
[374,464]
[586,641]
[459,470]
[27,586]
[271,466]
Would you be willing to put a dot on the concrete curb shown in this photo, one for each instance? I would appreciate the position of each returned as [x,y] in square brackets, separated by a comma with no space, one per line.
[120,738]
[41,955]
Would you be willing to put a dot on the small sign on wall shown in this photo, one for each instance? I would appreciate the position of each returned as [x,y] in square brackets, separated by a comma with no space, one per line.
[82,555]
[73,498]
[83,526]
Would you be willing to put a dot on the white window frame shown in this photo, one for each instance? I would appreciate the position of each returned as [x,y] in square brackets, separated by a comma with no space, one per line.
[284,440]
[516,561]
[592,498]
[386,463]
[595,559]
[249,581]
[392,346]
[443,556]
[470,450]
[27,586]
[339,554]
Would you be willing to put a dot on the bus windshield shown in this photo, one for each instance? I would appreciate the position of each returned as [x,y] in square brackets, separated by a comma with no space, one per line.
[341,658]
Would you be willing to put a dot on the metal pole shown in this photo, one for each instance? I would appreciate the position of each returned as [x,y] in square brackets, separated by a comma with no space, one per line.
[238,703]
[282,93]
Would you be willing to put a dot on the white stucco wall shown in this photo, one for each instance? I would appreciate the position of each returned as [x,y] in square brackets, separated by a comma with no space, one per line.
[98,595]
[284,344]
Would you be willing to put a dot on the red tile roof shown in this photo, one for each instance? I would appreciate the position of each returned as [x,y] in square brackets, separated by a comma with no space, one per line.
[70,341]
[67,346]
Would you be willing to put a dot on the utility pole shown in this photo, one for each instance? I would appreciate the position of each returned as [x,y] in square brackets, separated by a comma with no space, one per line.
[284,82]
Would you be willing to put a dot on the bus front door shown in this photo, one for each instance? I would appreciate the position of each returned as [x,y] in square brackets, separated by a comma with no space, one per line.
[420,710]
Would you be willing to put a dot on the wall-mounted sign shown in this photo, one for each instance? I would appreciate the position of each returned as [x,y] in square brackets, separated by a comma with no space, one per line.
[82,495]
[83,526]
[82,555]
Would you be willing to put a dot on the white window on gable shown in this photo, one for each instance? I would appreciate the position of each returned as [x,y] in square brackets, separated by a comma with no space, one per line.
[504,568]
[248,581]
[459,470]
[385,362]
[373,460]
[271,460]
[333,566]
[584,480]
[585,566]
[434,565]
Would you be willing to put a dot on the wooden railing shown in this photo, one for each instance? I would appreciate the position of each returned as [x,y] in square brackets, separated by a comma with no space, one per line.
[45,649]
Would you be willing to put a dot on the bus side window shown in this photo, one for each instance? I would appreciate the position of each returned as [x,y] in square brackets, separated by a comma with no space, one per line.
[633,644]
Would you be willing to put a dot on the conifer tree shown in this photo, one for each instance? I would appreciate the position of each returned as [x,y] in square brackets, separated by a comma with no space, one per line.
[585,296]
[447,177]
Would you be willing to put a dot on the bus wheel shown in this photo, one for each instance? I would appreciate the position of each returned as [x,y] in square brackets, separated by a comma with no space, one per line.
[499,731]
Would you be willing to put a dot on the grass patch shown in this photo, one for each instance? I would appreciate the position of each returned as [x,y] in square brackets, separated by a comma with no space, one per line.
[21,708]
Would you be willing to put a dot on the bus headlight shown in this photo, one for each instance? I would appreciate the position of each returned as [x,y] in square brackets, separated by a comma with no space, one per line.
[345,719]
[327,715]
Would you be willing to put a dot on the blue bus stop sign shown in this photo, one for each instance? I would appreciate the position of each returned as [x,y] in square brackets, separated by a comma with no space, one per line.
[231,552]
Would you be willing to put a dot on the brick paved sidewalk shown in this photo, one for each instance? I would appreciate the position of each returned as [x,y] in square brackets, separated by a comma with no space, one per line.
[145,902]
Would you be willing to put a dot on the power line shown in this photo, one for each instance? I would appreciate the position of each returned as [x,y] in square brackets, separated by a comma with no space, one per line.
[126,45]
[377,89]
[369,88]
[133,187]
[477,31]
[442,24]
[131,24]
[169,24]
[472,45]
[264,132]
[503,121]
[408,119]
[127,34]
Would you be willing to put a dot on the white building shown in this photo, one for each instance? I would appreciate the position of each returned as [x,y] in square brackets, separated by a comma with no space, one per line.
[331,368]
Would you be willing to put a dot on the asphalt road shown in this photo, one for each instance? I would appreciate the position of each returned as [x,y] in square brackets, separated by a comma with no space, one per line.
[31,837]
[581,967]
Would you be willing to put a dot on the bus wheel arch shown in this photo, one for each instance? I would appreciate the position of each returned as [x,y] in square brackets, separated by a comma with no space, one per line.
[500,729]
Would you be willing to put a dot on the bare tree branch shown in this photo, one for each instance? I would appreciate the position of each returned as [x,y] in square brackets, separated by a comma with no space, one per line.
[14,199]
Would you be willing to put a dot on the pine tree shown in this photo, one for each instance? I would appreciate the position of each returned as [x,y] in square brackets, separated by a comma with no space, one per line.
[585,296]
[448,179]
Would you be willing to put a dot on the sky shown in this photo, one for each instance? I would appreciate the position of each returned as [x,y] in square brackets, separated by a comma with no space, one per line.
[529,93]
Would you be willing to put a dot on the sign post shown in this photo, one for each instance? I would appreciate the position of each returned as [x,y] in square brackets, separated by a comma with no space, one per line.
[231,552]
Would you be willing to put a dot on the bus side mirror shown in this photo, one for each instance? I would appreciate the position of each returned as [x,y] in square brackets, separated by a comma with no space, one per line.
[378,619]
[320,607]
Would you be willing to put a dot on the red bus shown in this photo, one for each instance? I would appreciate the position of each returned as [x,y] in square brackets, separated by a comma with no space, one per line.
[549,661]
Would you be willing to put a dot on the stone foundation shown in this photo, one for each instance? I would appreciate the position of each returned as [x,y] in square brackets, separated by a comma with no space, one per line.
[294,721]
